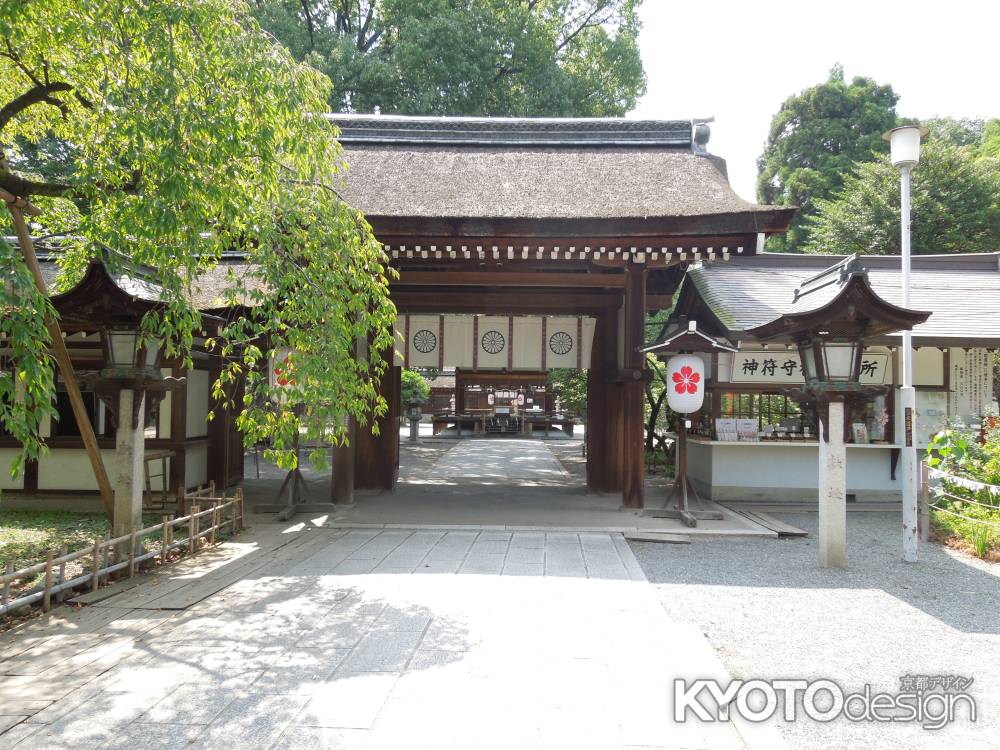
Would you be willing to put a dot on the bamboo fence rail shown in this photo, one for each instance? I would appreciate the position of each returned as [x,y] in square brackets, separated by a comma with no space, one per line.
[124,553]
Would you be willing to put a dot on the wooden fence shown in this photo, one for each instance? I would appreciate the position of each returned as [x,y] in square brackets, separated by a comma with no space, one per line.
[109,556]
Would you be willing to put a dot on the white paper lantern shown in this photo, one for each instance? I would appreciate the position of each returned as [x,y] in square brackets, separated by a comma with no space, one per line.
[282,374]
[685,383]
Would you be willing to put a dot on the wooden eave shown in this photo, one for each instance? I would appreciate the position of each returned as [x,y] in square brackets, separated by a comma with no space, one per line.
[855,308]
[626,229]
[98,300]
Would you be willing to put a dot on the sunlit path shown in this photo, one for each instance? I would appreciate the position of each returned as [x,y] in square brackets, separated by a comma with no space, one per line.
[499,459]
[310,637]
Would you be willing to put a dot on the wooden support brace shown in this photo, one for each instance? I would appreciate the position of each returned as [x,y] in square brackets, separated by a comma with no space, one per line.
[59,351]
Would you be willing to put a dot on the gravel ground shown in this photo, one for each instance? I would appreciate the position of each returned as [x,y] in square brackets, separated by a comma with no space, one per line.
[771,612]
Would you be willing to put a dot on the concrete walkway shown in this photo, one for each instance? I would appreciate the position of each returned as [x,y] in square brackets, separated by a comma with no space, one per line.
[499,458]
[492,484]
[301,636]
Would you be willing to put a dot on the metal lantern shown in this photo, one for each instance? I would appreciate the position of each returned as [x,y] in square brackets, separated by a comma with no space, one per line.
[831,361]
[120,347]
[685,383]
[127,355]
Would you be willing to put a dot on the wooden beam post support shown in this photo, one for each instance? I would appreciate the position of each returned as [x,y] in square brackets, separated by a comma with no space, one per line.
[459,391]
[375,457]
[342,485]
[633,443]
[178,434]
[59,351]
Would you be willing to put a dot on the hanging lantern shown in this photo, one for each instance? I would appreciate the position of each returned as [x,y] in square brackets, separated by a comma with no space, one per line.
[283,376]
[685,383]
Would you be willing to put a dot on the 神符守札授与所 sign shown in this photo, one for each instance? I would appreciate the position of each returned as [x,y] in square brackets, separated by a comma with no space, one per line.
[784,367]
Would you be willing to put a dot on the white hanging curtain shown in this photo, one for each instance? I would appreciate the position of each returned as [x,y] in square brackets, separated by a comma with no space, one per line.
[494,342]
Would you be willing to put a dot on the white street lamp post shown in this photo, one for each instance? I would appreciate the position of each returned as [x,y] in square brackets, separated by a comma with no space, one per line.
[904,145]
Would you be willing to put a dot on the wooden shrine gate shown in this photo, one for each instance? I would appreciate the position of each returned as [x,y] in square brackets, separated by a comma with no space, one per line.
[519,217]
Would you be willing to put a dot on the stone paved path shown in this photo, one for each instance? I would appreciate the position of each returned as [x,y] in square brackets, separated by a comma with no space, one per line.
[499,458]
[368,639]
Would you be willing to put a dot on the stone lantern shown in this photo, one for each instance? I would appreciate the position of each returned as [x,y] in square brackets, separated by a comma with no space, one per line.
[834,314]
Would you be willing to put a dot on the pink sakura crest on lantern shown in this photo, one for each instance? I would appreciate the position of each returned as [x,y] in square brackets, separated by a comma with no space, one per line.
[686,380]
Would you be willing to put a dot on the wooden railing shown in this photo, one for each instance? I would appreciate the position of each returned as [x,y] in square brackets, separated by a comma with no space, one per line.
[109,556]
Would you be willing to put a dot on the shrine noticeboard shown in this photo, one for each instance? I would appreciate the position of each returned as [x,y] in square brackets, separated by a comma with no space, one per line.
[784,368]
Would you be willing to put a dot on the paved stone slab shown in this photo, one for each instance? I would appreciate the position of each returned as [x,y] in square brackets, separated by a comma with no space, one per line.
[320,738]
[374,638]
[253,721]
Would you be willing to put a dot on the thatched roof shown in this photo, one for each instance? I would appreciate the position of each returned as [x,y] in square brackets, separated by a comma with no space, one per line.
[534,168]
[209,291]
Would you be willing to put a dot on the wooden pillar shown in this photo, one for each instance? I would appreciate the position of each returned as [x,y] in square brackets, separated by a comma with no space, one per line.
[217,429]
[396,409]
[603,432]
[459,391]
[376,456]
[225,441]
[178,433]
[30,477]
[633,401]
[129,466]
[342,486]
[235,436]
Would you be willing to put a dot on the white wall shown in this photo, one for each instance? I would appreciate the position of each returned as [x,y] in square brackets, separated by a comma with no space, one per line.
[70,469]
[196,466]
[6,483]
[197,403]
[771,472]
[928,366]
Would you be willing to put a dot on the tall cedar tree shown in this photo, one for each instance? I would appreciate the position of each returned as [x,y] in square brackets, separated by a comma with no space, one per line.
[468,57]
[814,142]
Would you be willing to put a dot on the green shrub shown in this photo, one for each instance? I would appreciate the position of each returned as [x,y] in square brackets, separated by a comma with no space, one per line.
[971,515]
[414,387]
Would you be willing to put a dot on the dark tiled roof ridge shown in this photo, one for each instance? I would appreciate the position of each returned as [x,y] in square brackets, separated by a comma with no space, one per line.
[519,131]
